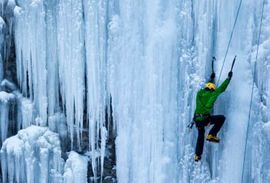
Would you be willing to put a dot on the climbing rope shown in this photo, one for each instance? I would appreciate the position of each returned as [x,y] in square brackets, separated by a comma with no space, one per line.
[230,40]
[252,91]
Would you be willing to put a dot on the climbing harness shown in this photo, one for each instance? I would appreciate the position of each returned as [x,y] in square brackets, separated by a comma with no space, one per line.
[252,90]
[230,40]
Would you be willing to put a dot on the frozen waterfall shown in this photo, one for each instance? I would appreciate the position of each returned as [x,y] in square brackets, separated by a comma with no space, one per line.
[103,91]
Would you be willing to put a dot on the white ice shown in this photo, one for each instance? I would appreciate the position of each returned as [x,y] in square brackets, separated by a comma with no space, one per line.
[33,155]
[75,168]
[149,58]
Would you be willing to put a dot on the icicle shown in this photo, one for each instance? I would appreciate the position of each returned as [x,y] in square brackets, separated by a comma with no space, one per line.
[104,136]
[5,102]
[95,46]
[52,56]
[25,112]
[2,39]
[31,54]
[72,64]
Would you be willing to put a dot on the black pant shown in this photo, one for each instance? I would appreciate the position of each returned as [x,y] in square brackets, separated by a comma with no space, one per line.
[217,120]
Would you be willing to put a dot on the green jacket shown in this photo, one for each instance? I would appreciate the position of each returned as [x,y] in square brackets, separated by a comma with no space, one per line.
[205,99]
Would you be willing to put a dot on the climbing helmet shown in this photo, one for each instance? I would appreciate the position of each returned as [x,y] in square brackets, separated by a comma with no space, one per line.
[210,86]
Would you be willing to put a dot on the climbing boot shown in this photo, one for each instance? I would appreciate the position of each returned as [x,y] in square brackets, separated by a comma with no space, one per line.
[212,138]
[197,158]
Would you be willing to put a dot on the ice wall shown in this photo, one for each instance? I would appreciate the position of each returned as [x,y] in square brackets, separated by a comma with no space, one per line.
[148,58]
[61,68]
[259,166]
[262,70]
[143,83]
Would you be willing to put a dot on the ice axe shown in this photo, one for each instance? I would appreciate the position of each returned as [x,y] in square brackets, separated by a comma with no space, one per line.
[190,125]
[213,60]
[233,63]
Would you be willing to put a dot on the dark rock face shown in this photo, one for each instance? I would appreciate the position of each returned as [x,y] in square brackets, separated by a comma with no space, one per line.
[109,167]
[109,175]
[8,48]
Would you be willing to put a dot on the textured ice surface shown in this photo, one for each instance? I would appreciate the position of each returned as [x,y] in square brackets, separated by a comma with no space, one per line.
[149,58]
[33,155]
[75,168]
[6,100]
[5,97]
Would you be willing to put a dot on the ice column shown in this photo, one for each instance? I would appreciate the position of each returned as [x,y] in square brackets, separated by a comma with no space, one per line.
[31,54]
[96,52]
[72,64]
[51,7]
[25,112]
[6,100]
[2,34]
[143,83]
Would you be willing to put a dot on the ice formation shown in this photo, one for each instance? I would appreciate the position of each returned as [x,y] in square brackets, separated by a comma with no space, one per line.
[33,155]
[6,102]
[140,63]
[75,168]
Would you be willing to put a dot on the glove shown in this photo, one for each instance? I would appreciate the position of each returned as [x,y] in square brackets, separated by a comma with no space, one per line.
[230,74]
[213,75]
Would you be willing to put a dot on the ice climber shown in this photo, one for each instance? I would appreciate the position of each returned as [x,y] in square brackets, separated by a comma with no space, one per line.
[205,100]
